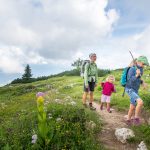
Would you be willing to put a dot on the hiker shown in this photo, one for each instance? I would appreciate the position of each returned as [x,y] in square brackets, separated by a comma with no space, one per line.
[108,87]
[132,86]
[90,80]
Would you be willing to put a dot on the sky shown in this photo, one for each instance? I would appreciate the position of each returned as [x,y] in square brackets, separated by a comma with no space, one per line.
[50,34]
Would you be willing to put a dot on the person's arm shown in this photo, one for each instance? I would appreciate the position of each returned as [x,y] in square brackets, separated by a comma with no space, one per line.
[102,84]
[86,75]
[113,88]
[133,74]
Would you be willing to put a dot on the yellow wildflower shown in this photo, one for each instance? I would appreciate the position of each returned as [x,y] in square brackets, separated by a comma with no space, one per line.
[40,99]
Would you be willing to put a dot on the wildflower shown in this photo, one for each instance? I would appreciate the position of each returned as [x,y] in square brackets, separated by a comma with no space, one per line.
[68,97]
[3,105]
[58,119]
[49,114]
[40,94]
[90,125]
[40,100]
[34,138]
[58,101]
[50,117]
[45,109]
[73,103]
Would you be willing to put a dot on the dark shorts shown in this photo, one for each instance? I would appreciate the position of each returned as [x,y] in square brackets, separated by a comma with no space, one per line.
[90,87]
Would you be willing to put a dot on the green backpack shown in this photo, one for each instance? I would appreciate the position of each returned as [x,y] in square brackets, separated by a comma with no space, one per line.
[83,67]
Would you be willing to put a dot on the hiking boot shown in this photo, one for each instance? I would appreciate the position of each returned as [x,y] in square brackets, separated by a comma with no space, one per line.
[92,108]
[136,122]
[109,111]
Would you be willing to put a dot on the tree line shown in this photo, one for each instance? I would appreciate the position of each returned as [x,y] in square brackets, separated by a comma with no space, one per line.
[27,76]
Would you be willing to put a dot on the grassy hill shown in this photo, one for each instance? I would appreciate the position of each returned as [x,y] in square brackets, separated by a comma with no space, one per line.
[67,121]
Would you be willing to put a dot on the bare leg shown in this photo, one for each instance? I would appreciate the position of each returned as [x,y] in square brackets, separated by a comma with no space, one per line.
[138,108]
[91,97]
[84,97]
[108,107]
[101,106]
[91,101]
[130,112]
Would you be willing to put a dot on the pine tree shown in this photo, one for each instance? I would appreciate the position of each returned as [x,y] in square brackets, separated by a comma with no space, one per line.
[27,73]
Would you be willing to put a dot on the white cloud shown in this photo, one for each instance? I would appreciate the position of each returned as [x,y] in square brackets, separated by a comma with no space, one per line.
[142,42]
[115,52]
[46,31]
[13,59]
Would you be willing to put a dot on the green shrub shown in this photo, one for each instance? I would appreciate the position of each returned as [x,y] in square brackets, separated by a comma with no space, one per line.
[68,130]
[142,133]
[146,98]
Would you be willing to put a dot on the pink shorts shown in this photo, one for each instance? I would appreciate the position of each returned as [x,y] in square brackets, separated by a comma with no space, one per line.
[105,98]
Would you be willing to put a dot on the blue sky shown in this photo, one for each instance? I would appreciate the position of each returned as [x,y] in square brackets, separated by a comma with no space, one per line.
[49,35]
[133,16]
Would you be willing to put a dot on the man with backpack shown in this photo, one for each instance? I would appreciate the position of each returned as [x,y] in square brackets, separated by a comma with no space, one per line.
[132,86]
[90,80]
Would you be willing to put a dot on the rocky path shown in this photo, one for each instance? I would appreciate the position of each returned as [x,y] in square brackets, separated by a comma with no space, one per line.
[111,122]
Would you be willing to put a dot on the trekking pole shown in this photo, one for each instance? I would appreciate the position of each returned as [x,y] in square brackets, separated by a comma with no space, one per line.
[132,56]
[123,92]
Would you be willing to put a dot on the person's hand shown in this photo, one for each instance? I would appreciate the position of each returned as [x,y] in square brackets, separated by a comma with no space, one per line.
[95,85]
[138,72]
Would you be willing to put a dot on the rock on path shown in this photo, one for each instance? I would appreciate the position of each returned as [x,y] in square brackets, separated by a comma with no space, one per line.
[112,121]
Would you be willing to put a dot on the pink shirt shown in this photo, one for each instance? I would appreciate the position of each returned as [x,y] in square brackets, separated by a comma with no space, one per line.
[108,88]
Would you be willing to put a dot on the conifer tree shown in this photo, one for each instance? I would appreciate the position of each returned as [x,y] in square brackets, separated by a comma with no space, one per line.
[27,73]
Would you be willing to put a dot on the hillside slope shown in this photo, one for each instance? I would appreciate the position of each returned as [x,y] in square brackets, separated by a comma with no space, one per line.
[18,109]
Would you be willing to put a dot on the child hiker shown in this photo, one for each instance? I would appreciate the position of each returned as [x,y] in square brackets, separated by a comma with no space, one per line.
[132,87]
[90,80]
[108,88]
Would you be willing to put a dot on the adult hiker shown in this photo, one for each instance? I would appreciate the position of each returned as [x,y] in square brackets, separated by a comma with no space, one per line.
[132,86]
[90,80]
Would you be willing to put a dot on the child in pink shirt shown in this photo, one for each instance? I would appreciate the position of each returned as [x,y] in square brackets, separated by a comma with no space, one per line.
[108,87]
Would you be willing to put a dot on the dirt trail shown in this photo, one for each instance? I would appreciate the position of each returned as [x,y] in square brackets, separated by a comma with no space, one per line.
[111,122]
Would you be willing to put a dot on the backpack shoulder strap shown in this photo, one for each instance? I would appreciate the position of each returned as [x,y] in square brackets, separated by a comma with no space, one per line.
[89,65]
[96,65]
[127,73]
